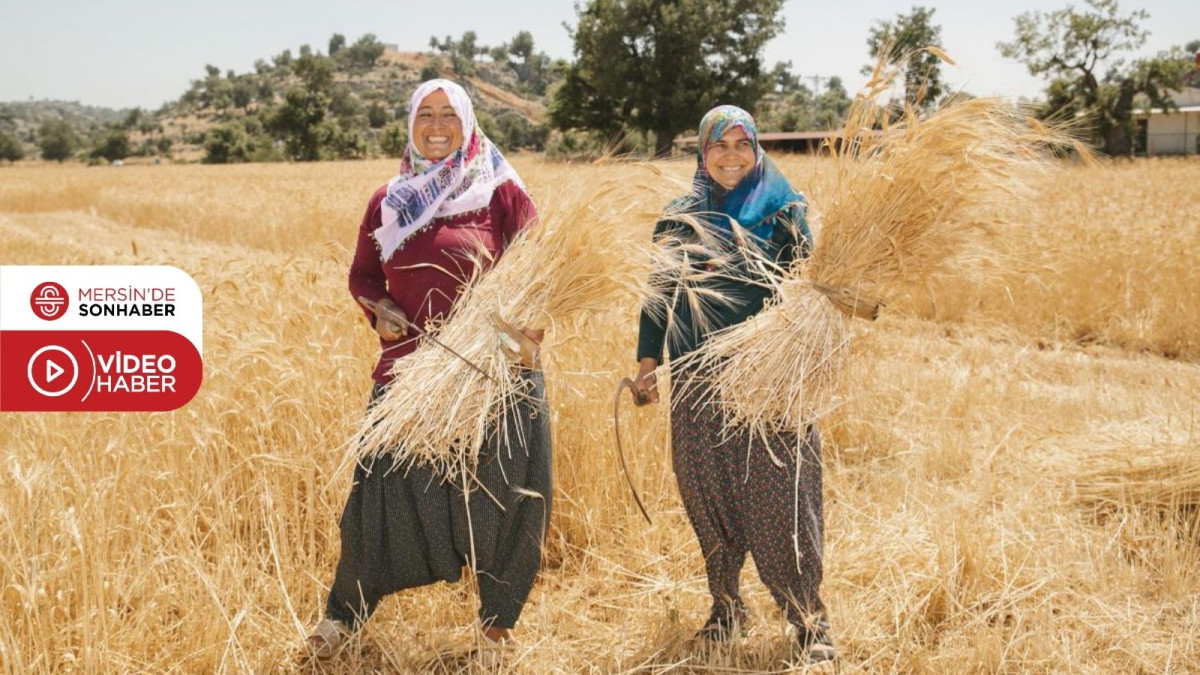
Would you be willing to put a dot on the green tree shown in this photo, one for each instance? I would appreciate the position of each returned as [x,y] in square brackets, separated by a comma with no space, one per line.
[657,66]
[132,118]
[265,92]
[10,148]
[112,146]
[228,143]
[364,52]
[316,71]
[243,93]
[344,143]
[213,91]
[377,115]
[783,81]
[300,121]
[1192,47]
[343,102]
[832,105]
[394,139]
[432,69]
[907,36]
[462,52]
[521,46]
[336,43]
[533,69]
[1070,47]
[57,140]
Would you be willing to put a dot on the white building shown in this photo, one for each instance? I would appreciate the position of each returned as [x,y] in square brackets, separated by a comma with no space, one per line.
[1176,132]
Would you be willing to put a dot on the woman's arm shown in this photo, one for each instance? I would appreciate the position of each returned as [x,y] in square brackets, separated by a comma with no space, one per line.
[651,331]
[792,235]
[367,278]
[517,214]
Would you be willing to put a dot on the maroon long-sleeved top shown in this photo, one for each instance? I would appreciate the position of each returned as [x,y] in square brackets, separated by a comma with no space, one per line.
[424,277]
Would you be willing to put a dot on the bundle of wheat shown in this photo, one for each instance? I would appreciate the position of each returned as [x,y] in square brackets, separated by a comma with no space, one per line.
[571,263]
[916,198]
[1164,477]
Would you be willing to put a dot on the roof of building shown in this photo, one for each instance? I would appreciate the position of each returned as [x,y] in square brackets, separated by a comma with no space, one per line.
[776,136]
[1160,111]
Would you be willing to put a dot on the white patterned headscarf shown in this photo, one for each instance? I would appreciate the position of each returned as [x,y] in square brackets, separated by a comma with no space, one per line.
[424,189]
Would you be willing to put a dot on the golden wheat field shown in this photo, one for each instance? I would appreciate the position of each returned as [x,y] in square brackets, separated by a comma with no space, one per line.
[1012,483]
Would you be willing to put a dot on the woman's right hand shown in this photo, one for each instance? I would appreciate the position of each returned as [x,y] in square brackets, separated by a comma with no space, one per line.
[646,384]
[387,329]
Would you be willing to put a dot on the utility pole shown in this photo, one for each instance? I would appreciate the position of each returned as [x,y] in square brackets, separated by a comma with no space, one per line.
[816,80]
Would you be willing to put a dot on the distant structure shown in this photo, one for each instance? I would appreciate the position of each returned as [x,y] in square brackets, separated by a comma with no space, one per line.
[392,47]
[1176,132]
[805,142]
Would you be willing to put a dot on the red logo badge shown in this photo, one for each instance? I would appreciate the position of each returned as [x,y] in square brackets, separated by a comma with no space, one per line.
[49,301]
[98,370]
[99,338]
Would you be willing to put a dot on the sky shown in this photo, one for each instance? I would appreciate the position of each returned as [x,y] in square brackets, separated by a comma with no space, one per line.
[126,53]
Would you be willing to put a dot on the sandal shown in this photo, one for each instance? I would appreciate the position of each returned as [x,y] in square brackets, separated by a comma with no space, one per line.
[490,653]
[815,642]
[327,637]
[721,626]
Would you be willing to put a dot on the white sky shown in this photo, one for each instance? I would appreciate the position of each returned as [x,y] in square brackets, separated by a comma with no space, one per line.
[124,53]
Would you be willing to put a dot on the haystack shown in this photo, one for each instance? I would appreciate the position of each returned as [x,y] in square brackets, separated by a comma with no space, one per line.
[1161,477]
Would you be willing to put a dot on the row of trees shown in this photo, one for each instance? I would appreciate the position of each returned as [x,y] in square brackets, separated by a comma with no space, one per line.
[292,107]
[629,76]
[534,70]
[320,116]
[58,140]
[644,71]
[651,67]
[1079,51]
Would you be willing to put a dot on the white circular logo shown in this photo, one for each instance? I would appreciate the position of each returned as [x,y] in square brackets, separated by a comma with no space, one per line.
[51,371]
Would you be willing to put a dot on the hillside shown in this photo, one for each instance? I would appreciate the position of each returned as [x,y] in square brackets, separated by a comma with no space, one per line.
[21,119]
[351,105]
[361,101]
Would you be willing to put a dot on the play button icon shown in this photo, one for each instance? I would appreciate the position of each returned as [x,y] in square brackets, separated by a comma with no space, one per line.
[53,364]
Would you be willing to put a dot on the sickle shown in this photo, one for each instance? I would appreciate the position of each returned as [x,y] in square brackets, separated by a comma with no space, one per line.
[641,399]
[380,311]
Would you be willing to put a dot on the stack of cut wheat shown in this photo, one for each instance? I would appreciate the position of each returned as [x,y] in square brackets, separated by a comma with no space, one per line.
[1162,476]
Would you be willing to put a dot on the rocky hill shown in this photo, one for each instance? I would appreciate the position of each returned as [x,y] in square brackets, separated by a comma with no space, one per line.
[311,106]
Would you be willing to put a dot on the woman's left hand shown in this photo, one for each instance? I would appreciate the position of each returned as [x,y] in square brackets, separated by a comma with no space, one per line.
[535,334]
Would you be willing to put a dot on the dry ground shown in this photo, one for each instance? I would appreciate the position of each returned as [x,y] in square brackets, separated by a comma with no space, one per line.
[968,527]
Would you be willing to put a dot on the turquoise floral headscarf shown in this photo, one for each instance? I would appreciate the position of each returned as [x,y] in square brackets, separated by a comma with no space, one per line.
[761,195]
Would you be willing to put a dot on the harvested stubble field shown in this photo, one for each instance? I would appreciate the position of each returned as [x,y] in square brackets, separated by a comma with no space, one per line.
[1012,482]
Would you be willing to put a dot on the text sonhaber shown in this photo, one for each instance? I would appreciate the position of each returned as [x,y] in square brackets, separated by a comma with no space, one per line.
[126,301]
[135,373]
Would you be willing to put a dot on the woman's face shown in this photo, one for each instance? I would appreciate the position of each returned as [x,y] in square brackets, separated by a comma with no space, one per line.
[730,158]
[437,131]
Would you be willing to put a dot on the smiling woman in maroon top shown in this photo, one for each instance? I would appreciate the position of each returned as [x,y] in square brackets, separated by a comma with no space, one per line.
[417,244]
